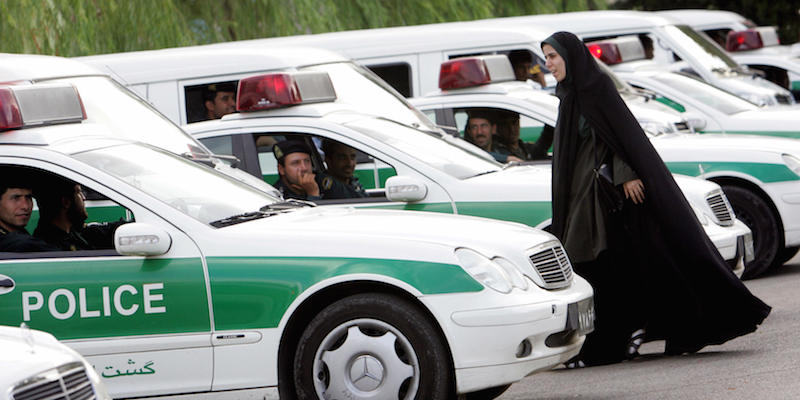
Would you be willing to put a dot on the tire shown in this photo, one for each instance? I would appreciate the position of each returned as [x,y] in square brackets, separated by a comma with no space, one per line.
[486,394]
[374,346]
[762,221]
[786,254]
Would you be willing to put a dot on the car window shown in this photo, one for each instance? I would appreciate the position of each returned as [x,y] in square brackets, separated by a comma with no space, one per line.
[370,171]
[67,219]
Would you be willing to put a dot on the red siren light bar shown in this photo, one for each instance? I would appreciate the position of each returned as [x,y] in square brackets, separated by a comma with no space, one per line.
[467,72]
[284,89]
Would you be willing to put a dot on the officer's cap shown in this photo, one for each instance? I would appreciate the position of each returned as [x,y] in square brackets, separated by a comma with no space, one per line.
[286,147]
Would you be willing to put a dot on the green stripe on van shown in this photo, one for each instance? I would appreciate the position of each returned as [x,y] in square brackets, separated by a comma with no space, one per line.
[671,103]
[255,292]
[766,173]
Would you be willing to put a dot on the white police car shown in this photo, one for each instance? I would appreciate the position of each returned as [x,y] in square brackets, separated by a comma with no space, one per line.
[35,366]
[758,47]
[215,287]
[760,175]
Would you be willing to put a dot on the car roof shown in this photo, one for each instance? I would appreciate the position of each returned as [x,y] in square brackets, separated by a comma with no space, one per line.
[702,17]
[28,67]
[202,61]
[400,40]
[587,21]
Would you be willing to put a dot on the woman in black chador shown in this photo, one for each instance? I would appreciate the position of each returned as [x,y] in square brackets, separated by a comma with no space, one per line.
[650,263]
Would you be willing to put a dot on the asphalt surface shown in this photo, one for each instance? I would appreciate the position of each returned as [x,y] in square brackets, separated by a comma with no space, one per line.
[762,365]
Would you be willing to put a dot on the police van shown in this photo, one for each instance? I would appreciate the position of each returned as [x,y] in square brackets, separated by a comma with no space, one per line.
[758,47]
[37,367]
[760,175]
[214,288]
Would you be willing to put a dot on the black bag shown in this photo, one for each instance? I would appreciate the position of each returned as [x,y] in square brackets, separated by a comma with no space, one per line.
[610,198]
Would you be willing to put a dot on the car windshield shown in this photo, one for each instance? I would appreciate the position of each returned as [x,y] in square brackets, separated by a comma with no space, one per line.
[706,94]
[707,54]
[360,87]
[434,150]
[193,189]
[128,116]
[621,85]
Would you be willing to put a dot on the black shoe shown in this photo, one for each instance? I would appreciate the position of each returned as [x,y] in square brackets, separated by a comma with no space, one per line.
[637,338]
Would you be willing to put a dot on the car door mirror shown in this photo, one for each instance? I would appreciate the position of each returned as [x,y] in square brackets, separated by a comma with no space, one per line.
[140,239]
[696,122]
[405,188]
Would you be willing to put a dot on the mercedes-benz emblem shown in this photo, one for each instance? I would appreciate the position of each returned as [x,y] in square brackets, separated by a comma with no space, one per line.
[366,373]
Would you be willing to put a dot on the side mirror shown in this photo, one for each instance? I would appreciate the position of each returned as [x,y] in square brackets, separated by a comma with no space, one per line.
[140,239]
[696,122]
[405,188]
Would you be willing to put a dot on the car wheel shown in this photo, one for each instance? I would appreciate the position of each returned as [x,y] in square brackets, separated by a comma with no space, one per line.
[758,216]
[372,346]
[485,394]
[786,254]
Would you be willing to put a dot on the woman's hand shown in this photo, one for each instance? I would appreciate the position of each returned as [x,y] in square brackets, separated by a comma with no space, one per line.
[634,190]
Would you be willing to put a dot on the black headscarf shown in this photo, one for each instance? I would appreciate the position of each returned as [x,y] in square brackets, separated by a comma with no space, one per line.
[720,306]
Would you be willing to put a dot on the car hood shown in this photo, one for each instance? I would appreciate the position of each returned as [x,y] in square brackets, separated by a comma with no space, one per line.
[772,115]
[353,232]
[718,146]
[26,352]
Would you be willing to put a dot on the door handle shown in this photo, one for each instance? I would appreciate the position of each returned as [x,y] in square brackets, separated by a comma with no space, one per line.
[6,283]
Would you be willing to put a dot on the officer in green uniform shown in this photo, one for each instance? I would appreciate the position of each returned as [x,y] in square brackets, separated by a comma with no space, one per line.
[341,162]
[297,178]
[62,212]
[16,206]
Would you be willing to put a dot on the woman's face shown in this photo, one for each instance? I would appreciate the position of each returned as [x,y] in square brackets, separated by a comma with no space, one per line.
[554,62]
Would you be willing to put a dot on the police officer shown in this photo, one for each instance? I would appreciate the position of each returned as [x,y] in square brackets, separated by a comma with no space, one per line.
[341,162]
[219,99]
[62,212]
[16,206]
[508,143]
[297,178]
[481,131]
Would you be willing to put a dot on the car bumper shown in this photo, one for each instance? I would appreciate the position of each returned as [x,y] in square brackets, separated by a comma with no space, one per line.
[511,335]
[731,241]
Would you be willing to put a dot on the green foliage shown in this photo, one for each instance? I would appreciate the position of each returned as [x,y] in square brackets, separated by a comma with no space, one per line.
[84,27]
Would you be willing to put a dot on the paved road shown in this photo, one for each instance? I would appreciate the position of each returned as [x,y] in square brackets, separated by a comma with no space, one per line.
[762,365]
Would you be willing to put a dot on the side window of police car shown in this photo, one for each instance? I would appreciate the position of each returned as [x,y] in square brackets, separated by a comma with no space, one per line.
[530,129]
[65,219]
[369,172]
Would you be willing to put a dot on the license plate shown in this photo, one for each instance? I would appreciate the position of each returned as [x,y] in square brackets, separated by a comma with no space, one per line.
[744,247]
[580,316]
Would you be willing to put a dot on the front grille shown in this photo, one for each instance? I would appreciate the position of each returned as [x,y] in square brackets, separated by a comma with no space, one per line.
[721,208]
[783,99]
[67,382]
[553,267]
[682,127]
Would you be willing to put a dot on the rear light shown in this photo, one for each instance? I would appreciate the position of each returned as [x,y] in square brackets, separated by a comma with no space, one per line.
[32,105]
[606,52]
[475,71]
[264,92]
[743,40]
[618,50]
[10,117]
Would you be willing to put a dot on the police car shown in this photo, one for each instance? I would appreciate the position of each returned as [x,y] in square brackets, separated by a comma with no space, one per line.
[758,47]
[214,287]
[759,175]
[412,169]
[37,367]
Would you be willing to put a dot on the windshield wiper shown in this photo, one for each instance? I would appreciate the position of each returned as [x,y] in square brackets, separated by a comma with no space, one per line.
[287,204]
[239,218]
[210,159]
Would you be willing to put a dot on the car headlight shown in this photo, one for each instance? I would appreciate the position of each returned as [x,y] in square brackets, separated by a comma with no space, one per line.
[792,162]
[498,274]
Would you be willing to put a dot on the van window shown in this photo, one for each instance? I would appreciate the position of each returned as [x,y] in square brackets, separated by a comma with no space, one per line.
[197,95]
[397,75]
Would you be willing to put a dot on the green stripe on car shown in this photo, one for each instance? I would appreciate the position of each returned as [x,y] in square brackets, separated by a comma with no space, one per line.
[255,292]
[767,173]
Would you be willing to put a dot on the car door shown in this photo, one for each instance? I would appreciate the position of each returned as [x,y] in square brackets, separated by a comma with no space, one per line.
[142,322]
